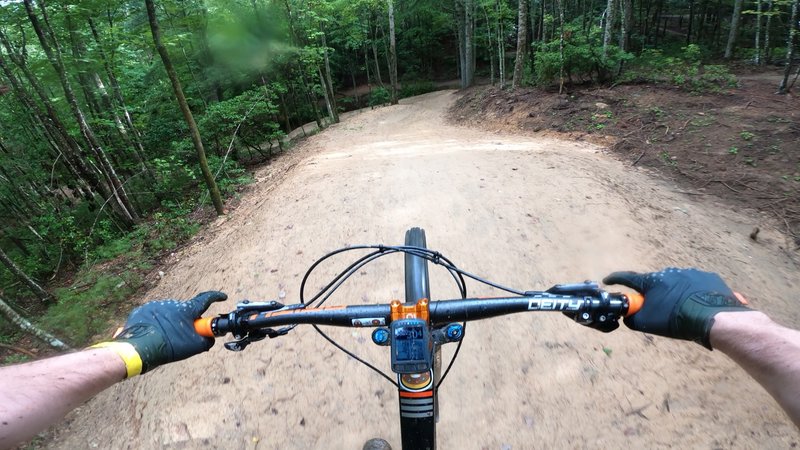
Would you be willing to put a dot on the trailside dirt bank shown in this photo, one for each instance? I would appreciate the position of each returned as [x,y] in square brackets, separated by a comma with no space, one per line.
[524,211]
[741,144]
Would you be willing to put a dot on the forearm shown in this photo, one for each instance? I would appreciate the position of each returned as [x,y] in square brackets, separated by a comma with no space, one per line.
[38,394]
[769,352]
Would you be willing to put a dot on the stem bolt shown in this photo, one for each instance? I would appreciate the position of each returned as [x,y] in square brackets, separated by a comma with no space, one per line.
[380,336]
[454,332]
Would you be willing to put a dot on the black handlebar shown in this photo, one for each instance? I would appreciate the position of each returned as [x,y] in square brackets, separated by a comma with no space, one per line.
[585,303]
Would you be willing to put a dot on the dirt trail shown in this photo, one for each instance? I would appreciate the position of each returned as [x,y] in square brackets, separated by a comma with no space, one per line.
[523,211]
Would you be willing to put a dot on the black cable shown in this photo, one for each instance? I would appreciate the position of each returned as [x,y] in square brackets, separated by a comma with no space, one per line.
[336,344]
[352,270]
[380,251]
[455,354]
[319,261]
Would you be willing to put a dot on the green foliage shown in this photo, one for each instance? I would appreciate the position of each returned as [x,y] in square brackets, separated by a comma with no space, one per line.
[15,359]
[411,89]
[668,159]
[85,308]
[232,174]
[165,230]
[685,70]
[114,247]
[746,135]
[251,116]
[379,96]
[583,57]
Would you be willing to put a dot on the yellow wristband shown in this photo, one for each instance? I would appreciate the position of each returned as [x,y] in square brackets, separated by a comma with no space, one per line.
[133,362]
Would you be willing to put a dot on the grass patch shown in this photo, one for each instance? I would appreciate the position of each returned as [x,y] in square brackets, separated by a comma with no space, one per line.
[85,308]
[115,270]
[100,291]
[15,359]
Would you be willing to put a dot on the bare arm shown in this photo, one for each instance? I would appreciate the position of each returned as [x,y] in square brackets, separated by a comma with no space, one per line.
[38,394]
[769,352]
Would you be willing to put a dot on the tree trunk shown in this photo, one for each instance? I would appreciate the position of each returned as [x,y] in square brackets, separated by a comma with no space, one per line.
[469,45]
[216,199]
[490,45]
[25,325]
[625,24]
[522,44]
[117,93]
[83,70]
[787,69]
[757,44]
[62,142]
[53,54]
[43,295]
[501,47]
[794,80]
[737,12]
[328,103]
[767,55]
[366,69]
[461,32]
[392,54]
[561,47]
[311,100]
[609,27]
[328,83]
[375,58]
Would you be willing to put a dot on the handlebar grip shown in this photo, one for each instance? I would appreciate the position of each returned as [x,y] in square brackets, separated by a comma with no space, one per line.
[203,326]
[635,303]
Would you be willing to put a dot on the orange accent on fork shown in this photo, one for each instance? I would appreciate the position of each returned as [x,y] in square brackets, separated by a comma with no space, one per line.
[423,394]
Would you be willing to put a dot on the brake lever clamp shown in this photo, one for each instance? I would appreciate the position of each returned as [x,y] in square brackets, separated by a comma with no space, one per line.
[588,315]
[243,339]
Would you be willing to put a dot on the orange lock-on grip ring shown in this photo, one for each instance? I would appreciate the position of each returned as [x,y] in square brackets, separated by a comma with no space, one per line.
[635,303]
[203,326]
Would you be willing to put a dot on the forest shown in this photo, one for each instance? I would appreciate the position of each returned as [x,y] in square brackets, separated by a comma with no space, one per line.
[124,125]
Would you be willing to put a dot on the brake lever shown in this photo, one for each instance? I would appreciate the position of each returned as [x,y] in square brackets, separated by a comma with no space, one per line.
[254,336]
[585,289]
[248,306]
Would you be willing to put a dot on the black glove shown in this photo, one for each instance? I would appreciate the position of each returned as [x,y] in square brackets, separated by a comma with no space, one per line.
[679,303]
[162,332]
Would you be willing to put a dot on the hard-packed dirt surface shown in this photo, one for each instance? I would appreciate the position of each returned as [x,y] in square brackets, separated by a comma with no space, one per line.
[741,144]
[524,211]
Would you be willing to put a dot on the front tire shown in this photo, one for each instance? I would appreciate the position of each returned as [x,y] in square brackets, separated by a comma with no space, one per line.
[416,268]
[418,287]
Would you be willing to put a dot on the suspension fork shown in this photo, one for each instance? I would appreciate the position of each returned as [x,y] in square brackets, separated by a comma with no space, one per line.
[418,409]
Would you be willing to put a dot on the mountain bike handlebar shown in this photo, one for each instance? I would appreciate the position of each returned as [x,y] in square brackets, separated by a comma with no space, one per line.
[414,329]
[584,301]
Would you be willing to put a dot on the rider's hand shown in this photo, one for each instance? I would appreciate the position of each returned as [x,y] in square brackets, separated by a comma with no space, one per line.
[679,303]
[162,332]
